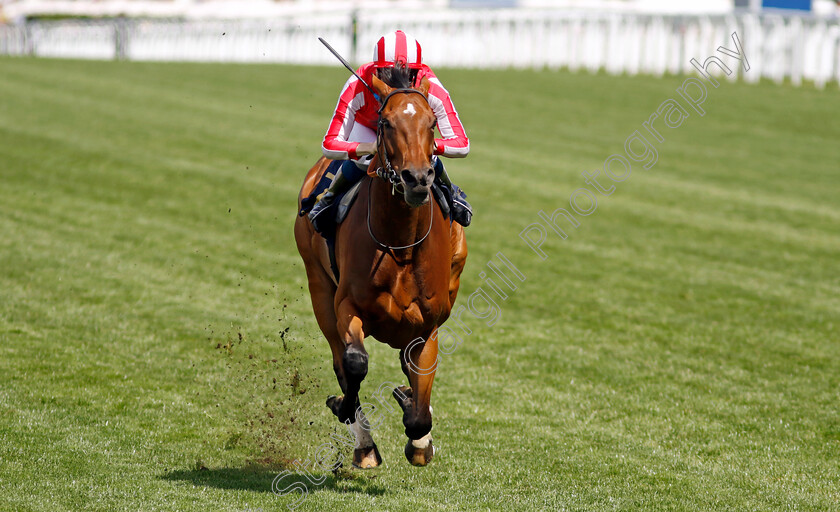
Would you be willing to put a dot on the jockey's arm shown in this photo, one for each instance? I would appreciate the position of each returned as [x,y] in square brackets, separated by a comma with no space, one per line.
[336,145]
[453,142]
[366,148]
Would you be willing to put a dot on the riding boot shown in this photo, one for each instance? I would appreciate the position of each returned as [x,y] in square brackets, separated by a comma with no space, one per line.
[338,185]
[460,208]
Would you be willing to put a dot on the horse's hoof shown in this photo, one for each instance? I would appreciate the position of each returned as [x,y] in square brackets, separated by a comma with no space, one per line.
[420,452]
[366,458]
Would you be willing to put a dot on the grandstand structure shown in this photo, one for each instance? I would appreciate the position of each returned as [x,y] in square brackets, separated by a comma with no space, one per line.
[618,36]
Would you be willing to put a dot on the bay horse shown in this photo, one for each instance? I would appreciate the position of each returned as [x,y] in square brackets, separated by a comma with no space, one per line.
[399,264]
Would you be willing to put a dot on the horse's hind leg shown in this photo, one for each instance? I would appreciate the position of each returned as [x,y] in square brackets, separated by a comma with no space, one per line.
[459,259]
[419,362]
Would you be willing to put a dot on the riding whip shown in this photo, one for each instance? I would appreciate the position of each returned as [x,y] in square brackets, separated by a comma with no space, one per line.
[347,65]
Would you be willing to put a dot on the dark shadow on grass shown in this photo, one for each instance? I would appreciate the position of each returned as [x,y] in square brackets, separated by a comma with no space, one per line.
[260,479]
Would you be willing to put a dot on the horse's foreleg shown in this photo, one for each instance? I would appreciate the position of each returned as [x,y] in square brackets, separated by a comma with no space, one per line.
[354,365]
[351,362]
[419,362]
[365,453]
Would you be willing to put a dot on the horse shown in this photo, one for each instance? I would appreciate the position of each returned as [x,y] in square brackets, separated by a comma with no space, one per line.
[399,261]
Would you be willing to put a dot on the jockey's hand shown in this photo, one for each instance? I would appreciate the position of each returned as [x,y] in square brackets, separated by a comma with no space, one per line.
[366,148]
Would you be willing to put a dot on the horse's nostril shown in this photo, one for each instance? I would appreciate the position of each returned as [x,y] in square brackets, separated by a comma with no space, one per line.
[407,177]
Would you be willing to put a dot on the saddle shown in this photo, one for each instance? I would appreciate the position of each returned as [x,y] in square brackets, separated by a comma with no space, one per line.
[341,205]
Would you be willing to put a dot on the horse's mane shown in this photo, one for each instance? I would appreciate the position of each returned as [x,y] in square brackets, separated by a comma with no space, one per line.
[398,77]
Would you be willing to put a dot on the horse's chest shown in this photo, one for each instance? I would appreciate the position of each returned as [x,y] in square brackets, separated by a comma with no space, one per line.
[408,301]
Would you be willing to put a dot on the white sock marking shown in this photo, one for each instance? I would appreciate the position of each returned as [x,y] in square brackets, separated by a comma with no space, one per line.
[363,437]
[423,442]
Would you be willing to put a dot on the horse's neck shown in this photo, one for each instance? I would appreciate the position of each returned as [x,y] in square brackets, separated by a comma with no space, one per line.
[394,222]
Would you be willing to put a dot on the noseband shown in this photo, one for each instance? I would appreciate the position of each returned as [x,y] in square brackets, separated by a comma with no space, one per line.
[390,175]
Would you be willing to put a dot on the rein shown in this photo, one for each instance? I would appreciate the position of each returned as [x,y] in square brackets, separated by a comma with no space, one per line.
[397,247]
[391,176]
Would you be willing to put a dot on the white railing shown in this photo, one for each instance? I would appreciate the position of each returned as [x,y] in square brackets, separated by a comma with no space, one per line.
[778,47]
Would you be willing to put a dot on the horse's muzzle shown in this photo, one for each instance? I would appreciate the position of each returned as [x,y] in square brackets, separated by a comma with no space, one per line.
[417,197]
[417,185]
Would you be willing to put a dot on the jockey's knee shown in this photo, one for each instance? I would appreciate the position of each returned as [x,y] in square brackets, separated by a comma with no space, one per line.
[354,170]
[437,163]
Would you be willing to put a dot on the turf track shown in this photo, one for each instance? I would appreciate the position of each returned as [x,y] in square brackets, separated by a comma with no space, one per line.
[679,351]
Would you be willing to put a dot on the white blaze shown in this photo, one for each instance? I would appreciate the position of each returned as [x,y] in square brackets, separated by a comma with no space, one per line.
[409,109]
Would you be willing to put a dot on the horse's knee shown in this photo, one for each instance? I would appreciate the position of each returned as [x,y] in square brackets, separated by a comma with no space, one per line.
[355,362]
[417,425]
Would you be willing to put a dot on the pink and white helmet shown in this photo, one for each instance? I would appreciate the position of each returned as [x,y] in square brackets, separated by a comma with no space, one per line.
[395,48]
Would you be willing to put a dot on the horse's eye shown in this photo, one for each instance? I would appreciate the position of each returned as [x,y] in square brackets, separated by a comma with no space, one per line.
[384,123]
[434,124]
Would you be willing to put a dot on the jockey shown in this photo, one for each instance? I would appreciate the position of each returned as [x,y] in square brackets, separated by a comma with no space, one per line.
[351,136]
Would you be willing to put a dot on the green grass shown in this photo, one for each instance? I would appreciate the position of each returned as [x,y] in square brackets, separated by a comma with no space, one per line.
[158,352]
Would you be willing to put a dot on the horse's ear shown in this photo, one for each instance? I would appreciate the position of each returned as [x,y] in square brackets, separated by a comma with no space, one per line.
[424,86]
[380,87]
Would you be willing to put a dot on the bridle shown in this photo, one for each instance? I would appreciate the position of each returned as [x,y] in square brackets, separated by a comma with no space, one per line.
[387,172]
